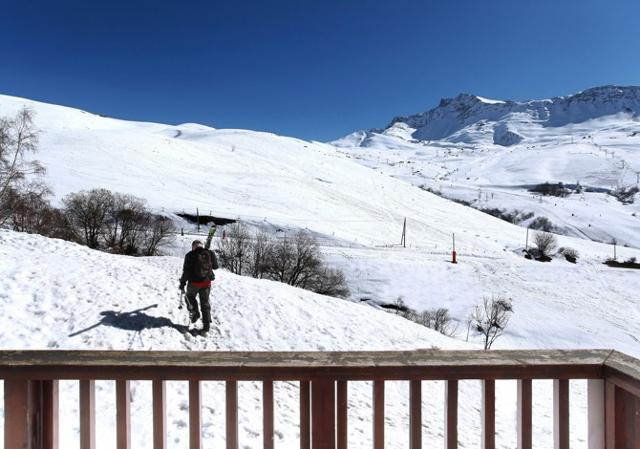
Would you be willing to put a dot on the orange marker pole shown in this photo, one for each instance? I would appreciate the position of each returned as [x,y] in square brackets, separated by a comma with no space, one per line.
[453,253]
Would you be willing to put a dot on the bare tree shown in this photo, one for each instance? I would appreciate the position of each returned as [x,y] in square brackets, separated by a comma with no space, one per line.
[17,138]
[234,250]
[261,252]
[329,282]
[491,318]
[306,260]
[160,230]
[87,212]
[546,244]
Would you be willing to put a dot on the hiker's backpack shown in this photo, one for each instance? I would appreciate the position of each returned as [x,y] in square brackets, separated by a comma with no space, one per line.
[203,264]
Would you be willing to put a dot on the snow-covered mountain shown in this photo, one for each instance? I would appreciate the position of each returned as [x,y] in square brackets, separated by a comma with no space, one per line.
[490,153]
[473,119]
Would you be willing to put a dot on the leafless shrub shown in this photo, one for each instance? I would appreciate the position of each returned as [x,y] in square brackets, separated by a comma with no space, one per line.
[32,212]
[546,244]
[116,222]
[438,320]
[296,260]
[570,254]
[491,318]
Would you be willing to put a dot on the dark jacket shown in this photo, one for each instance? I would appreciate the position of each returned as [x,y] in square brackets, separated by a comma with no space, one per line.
[188,269]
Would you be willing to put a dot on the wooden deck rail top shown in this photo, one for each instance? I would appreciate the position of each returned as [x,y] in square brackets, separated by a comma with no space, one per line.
[416,364]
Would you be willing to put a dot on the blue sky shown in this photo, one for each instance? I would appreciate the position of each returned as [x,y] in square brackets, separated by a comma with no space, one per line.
[311,69]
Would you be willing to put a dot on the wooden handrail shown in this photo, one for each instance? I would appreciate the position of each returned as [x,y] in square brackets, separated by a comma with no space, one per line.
[386,365]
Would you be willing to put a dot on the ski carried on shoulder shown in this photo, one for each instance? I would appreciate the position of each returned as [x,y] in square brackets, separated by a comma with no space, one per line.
[212,232]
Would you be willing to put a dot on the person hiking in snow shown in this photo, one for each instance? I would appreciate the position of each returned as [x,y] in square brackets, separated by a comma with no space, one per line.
[197,274]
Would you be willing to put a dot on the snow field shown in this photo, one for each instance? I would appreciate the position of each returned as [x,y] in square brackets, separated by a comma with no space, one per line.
[64,278]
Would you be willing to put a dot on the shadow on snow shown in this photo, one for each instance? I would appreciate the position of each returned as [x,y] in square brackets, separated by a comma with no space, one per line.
[136,321]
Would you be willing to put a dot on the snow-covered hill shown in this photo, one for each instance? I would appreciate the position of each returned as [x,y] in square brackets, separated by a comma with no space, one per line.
[490,153]
[52,293]
[64,296]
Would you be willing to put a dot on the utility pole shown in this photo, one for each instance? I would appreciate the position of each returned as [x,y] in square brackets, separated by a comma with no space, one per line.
[403,240]
[526,244]
[198,218]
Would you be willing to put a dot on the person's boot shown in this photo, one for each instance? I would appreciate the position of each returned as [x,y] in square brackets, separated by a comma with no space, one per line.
[205,328]
[194,315]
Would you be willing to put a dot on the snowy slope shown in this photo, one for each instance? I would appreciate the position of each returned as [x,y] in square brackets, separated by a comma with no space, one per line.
[489,153]
[64,296]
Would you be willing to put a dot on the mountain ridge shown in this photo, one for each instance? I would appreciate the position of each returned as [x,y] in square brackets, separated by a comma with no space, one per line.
[504,118]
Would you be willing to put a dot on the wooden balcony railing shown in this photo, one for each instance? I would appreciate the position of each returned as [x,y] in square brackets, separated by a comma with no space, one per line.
[31,391]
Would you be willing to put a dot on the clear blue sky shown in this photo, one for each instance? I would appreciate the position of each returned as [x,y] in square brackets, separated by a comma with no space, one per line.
[312,69]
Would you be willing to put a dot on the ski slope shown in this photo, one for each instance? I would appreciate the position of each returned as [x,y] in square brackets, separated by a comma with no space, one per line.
[489,154]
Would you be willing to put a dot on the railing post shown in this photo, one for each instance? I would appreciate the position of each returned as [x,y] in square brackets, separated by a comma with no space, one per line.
[87,414]
[323,414]
[195,416]
[159,388]
[595,413]
[267,414]
[232,414]
[49,413]
[626,427]
[342,412]
[561,413]
[610,415]
[488,414]
[451,414]
[524,414]
[415,414]
[305,414]
[123,414]
[19,426]
[378,414]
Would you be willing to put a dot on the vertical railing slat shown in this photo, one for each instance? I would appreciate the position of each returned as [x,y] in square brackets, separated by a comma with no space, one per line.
[342,414]
[17,413]
[561,413]
[123,414]
[159,414]
[305,414]
[488,414]
[87,414]
[267,414]
[50,410]
[378,414]
[232,414]
[195,414]
[595,413]
[610,415]
[451,412]
[415,414]
[323,416]
[524,414]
